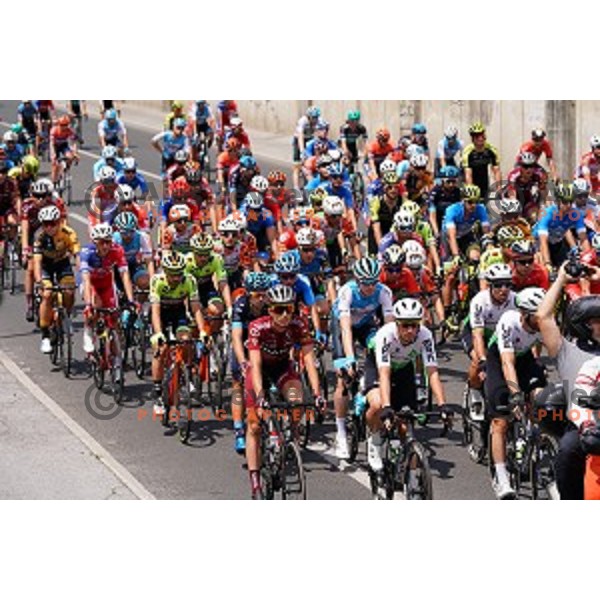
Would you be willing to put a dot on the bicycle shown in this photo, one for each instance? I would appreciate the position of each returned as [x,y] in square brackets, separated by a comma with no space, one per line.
[203,156]
[281,469]
[9,258]
[137,331]
[530,455]
[61,329]
[107,334]
[177,382]
[64,185]
[356,424]
[405,462]
[475,425]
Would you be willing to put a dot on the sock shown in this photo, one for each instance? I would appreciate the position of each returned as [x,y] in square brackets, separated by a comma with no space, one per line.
[501,473]
[45,332]
[340,423]
[376,438]
[29,300]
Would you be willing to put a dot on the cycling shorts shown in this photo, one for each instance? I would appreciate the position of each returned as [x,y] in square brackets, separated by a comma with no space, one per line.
[273,373]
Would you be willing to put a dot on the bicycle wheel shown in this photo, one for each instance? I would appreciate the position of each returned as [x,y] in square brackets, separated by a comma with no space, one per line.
[13,263]
[185,406]
[417,473]
[67,358]
[97,371]
[69,188]
[293,485]
[215,378]
[353,436]
[55,334]
[139,351]
[542,468]
[166,397]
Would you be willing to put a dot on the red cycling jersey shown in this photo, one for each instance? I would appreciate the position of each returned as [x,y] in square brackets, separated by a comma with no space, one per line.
[402,284]
[377,150]
[537,277]
[62,136]
[543,147]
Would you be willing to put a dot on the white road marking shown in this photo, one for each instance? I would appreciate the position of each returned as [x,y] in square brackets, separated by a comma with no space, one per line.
[99,451]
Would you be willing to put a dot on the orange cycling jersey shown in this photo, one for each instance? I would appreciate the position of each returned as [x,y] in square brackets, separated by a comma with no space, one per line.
[375,149]
[227,160]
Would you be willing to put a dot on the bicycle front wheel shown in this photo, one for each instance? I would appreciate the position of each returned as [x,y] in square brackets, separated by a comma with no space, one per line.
[417,473]
[542,468]
[67,354]
[294,479]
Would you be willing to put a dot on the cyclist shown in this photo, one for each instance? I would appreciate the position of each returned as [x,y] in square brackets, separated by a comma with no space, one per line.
[418,181]
[527,182]
[53,247]
[226,161]
[424,230]
[103,202]
[178,234]
[382,208]
[78,111]
[172,294]
[136,181]
[260,223]
[553,230]
[238,132]
[538,145]
[377,152]
[449,150]
[355,319]
[226,110]
[201,195]
[336,229]
[587,206]
[25,174]
[13,150]
[512,371]
[351,134]
[27,114]
[270,341]
[320,140]
[23,138]
[202,122]
[208,269]
[277,197]
[137,247]
[172,140]
[589,165]
[239,179]
[485,311]
[478,157]
[112,132]
[442,196]
[10,200]
[526,271]
[322,174]
[390,371]
[41,195]
[304,132]
[246,308]
[236,258]
[99,261]
[108,158]
[63,143]
[177,112]
[396,275]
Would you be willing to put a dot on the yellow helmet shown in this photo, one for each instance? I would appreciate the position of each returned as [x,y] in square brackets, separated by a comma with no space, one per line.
[477,128]
[470,192]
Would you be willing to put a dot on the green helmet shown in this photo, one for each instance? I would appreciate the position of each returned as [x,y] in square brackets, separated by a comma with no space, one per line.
[565,192]
[353,115]
[17,128]
[31,165]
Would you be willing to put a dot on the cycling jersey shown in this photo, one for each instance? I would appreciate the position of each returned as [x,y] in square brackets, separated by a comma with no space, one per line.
[362,309]
[28,113]
[396,237]
[341,191]
[101,268]
[378,151]
[555,226]
[484,313]
[111,132]
[351,134]
[44,107]
[305,128]
[136,182]
[479,161]
[241,314]
[204,273]
[275,345]
[440,198]
[536,277]
[9,192]
[30,211]
[57,247]
[589,165]
[137,249]
[302,288]
[227,110]
[258,222]
[15,154]
[309,150]
[537,148]
[171,143]
[317,266]
[238,181]
[527,191]
[391,352]
[179,241]
[62,137]
[165,295]
[201,114]
[241,136]
[511,336]
[449,149]
[401,284]
[423,229]
[457,218]
[227,161]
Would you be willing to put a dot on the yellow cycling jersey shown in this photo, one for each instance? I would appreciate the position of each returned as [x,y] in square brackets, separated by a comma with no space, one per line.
[56,247]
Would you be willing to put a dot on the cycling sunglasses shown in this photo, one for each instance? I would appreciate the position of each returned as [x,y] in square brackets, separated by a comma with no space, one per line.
[368,282]
[283,309]
[308,250]
[524,262]
[498,285]
[287,276]
[408,324]
[393,269]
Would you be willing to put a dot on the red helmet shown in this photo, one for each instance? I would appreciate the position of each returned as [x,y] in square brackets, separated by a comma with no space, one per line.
[383,134]
[64,121]
[180,188]
[276,177]
[288,240]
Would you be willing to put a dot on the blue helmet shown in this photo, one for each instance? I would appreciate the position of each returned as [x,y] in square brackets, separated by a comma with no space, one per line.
[449,172]
[111,113]
[248,162]
[126,221]
[336,169]
[322,125]
[257,281]
[288,263]
[419,128]
[313,112]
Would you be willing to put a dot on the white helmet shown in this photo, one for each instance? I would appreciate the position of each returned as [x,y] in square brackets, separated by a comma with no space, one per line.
[415,254]
[408,309]
[529,299]
[254,200]
[527,158]
[109,152]
[595,141]
[49,213]
[129,163]
[124,193]
[332,205]
[10,136]
[241,221]
[259,184]
[510,206]
[229,224]
[107,174]
[387,166]
[596,242]
[404,221]
[102,231]
[418,160]
[451,131]
[498,272]
[413,149]
[306,236]
[411,207]
[42,187]
[581,187]
[235,122]
[335,154]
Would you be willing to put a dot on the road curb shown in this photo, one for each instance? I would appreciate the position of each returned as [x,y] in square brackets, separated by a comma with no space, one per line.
[103,455]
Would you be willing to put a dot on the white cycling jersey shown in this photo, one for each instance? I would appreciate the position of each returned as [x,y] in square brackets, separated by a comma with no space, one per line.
[484,313]
[512,336]
[391,352]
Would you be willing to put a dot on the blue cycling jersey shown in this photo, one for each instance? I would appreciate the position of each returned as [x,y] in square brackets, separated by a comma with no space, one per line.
[28,112]
[341,191]
[15,155]
[455,216]
[310,147]
[302,288]
[555,226]
[137,182]
[362,309]
[449,150]
[315,266]
[132,248]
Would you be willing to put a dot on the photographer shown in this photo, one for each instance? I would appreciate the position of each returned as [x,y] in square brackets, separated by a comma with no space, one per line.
[583,318]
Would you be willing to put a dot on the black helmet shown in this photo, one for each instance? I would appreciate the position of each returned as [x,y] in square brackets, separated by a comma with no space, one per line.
[550,408]
[590,441]
[578,314]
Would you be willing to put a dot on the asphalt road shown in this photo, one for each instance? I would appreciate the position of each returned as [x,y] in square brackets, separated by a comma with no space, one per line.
[207,467]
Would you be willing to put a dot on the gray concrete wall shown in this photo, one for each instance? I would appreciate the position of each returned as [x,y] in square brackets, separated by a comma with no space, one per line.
[569,123]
